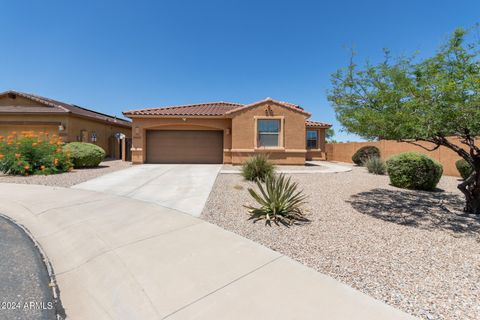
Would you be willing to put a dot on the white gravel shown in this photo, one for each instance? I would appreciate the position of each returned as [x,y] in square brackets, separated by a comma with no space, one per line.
[68,179]
[410,249]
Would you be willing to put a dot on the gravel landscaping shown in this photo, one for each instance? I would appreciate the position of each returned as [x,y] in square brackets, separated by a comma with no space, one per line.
[68,179]
[414,250]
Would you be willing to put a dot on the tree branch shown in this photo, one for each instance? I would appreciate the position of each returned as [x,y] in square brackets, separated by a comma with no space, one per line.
[414,142]
[470,142]
[442,141]
[461,152]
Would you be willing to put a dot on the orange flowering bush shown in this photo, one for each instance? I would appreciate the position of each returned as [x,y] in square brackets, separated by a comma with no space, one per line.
[33,153]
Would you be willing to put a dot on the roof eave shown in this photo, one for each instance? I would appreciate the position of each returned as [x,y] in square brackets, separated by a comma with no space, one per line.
[111,123]
[131,116]
[62,113]
[318,127]
[58,105]
[317,124]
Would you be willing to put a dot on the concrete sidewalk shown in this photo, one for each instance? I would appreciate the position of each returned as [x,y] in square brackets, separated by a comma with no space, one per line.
[120,258]
[309,168]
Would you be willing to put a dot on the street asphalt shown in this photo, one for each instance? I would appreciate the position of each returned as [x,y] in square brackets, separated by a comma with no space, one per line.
[24,281]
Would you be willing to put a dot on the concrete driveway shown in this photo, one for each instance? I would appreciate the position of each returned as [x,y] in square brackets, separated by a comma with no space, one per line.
[120,258]
[181,187]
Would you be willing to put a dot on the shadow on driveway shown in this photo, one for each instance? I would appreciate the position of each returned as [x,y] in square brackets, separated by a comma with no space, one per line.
[436,210]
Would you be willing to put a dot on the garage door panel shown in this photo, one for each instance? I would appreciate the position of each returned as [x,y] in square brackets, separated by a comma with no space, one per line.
[192,146]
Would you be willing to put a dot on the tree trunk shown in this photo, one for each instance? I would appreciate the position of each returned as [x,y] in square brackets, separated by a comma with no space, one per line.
[471,189]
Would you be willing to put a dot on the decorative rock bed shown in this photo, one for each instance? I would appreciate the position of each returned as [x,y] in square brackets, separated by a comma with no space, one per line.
[414,250]
[68,179]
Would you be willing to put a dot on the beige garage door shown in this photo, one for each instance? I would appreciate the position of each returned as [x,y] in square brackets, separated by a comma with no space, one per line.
[176,146]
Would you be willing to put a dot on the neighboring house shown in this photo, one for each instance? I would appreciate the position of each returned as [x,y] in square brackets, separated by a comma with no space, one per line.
[27,112]
[222,132]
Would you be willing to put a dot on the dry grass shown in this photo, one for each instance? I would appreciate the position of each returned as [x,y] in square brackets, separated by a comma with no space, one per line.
[413,250]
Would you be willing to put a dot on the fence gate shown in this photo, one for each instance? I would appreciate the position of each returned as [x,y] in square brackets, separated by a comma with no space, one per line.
[126,149]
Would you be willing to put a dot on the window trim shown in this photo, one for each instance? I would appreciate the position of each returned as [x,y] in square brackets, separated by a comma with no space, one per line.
[271,131]
[281,145]
[316,140]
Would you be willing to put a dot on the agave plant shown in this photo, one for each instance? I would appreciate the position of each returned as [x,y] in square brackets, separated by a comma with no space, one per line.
[279,200]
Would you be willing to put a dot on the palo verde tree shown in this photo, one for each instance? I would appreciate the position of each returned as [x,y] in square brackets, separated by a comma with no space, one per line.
[416,100]
[329,135]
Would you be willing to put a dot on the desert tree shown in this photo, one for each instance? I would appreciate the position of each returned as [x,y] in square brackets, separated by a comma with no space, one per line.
[330,135]
[435,100]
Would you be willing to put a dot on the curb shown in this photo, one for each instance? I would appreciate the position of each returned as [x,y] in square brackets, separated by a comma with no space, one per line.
[59,310]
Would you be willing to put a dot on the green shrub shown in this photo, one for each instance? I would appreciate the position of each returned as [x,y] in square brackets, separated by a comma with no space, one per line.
[464,168]
[279,200]
[411,170]
[257,167]
[375,165]
[32,153]
[85,155]
[364,153]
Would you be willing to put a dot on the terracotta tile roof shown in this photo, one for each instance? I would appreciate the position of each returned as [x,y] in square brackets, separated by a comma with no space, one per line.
[29,109]
[200,109]
[317,124]
[54,106]
[207,109]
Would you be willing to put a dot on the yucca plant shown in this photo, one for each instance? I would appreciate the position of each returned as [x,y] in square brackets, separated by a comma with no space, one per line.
[257,167]
[375,165]
[279,200]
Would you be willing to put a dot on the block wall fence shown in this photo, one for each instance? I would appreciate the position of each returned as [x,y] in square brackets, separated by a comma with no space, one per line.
[343,152]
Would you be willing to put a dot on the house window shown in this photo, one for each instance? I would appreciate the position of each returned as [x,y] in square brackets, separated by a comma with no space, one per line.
[312,139]
[268,133]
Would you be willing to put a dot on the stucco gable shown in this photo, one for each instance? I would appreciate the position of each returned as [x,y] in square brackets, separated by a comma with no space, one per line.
[260,103]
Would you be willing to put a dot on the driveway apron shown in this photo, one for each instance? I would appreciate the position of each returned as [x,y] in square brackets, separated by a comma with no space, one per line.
[181,187]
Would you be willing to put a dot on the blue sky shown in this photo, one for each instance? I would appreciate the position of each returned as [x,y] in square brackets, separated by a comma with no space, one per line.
[117,55]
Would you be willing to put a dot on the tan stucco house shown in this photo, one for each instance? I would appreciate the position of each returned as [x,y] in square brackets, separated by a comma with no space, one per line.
[223,132]
[27,112]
